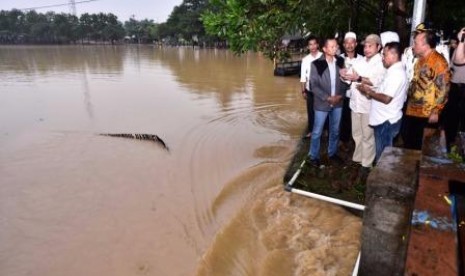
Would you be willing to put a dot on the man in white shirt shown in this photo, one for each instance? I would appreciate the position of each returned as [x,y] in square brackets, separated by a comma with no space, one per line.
[350,57]
[388,100]
[305,68]
[369,71]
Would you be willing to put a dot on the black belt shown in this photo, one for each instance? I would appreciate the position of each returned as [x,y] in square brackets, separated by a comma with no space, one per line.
[460,85]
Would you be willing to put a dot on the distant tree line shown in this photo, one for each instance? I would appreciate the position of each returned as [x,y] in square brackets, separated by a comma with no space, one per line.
[31,27]
[183,26]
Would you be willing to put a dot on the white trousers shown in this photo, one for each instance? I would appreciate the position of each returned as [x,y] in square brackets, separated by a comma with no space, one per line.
[364,138]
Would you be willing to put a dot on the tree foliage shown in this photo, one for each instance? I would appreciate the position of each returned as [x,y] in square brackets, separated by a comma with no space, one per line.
[447,15]
[246,25]
[261,24]
[143,31]
[184,22]
[32,27]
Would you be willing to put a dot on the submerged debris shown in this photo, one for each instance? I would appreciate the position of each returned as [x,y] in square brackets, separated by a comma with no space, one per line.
[138,136]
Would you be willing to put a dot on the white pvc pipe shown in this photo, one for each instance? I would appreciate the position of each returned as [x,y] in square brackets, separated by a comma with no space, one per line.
[329,199]
[296,174]
[357,264]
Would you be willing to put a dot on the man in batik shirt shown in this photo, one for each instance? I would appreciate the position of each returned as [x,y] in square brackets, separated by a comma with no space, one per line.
[428,89]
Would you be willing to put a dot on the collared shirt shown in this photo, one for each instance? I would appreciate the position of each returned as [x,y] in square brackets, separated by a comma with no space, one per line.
[348,61]
[408,60]
[305,68]
[374,70]
[394,85]
[429,86]
[332,74]
[349,64]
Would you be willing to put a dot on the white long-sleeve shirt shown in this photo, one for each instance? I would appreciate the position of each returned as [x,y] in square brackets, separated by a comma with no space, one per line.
[348,64]
[305,68]
[374,70]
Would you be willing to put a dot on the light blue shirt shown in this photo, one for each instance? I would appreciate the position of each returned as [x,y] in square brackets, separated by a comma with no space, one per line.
[332,74]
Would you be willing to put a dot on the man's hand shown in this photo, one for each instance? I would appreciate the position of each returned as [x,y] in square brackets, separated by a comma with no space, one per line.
[333,100]
[304,94]
[364,89]
[367,82]
[433,117]
[348,76]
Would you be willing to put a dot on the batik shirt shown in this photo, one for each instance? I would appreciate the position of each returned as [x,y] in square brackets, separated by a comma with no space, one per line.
[429,86]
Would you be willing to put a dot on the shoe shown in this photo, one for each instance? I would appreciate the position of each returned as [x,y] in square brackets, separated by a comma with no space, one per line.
[315,163]
[365,170]
[335,159]
[308,136]
[363,175]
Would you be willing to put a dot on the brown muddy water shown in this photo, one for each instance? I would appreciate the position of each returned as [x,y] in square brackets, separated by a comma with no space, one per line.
[73,202]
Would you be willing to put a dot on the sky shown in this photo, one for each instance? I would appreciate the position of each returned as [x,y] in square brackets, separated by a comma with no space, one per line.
[158,10]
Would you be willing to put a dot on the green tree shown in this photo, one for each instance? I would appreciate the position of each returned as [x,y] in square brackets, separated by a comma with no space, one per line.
[133,29]
[86,27]
[65,27]
[13,26]
[446,15]
[144,31]
[184,22]
[260,24]
[113,29]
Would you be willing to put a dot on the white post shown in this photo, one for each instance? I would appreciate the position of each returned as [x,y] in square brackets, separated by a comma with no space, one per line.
[419,8]
[357,264]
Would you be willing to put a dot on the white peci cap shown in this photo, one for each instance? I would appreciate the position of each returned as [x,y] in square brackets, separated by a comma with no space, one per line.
[389,36]
[350,35]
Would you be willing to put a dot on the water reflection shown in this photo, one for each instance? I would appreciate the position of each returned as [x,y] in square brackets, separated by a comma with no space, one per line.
[86,92]
[242,85]
[41,60]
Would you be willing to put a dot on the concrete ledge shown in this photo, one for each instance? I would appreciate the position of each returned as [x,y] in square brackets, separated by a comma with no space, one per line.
[389,200]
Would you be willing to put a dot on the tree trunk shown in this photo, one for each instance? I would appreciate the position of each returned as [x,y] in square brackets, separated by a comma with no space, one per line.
[401,26]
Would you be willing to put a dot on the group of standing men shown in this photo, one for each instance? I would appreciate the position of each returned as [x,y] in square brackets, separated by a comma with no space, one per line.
[370,96]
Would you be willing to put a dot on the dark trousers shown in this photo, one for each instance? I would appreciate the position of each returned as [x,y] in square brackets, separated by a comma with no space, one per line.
[310,112]
[412,131]
[453,116]
[346,122]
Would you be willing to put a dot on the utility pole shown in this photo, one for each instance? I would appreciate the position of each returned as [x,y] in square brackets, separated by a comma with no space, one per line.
[419,8]
[72,7]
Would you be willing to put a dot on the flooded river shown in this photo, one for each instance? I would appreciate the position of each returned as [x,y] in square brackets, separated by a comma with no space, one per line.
[73,202]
